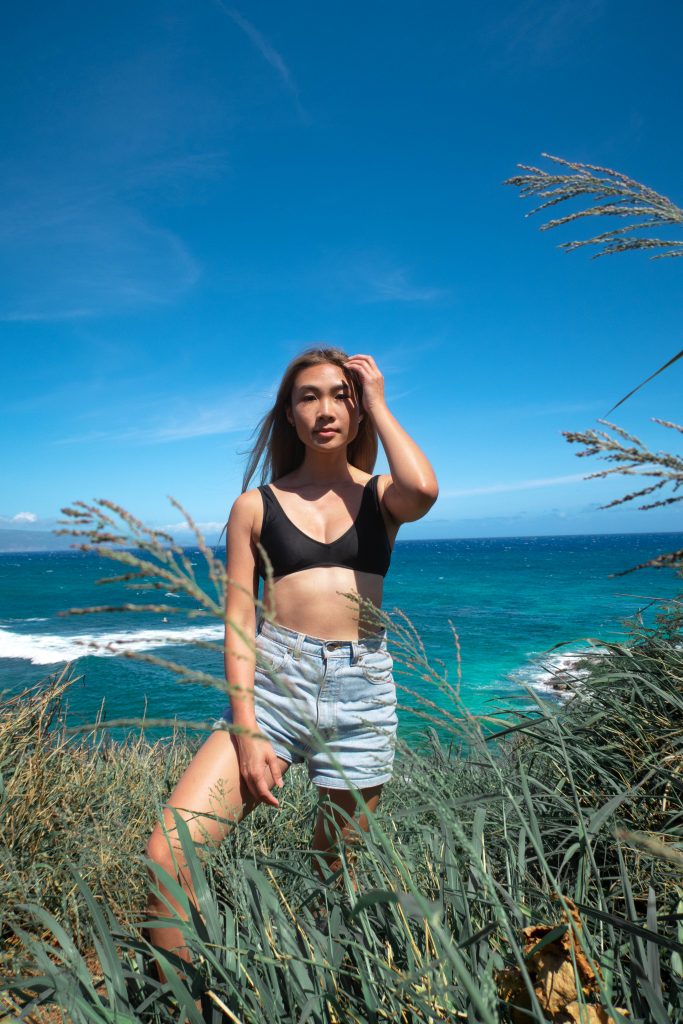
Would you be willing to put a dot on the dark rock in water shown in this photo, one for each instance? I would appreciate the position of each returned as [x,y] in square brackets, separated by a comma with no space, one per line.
[562,682]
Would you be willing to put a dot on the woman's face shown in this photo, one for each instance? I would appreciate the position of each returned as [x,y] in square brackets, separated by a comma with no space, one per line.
[323,407]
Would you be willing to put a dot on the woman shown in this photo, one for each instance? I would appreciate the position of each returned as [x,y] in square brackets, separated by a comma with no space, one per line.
[327,528]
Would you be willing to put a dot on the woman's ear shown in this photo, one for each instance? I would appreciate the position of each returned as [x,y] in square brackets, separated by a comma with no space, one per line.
[288,414]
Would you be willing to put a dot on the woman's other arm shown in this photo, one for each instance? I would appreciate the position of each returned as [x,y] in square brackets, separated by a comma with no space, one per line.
[240,661]
[413,488]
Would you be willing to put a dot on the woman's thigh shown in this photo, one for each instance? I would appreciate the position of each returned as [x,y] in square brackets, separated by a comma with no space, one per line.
[211,795]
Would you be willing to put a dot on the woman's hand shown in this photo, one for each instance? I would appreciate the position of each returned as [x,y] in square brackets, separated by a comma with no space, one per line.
[371,381]
[256,756]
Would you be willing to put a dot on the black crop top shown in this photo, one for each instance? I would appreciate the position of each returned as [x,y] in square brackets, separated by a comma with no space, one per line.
[365,545]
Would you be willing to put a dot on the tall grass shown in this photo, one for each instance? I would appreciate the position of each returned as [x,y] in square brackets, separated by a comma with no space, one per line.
[529,868]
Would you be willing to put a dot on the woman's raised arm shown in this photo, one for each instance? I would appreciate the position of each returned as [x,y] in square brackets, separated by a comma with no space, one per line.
[413,488]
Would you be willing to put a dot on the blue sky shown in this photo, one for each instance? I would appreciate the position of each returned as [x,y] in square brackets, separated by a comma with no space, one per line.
[193,192]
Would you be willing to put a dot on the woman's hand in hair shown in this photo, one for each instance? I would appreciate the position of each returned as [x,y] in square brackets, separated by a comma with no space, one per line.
[256,756]
[371,380]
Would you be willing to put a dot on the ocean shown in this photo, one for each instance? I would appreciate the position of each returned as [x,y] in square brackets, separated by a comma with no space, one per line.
[509,600]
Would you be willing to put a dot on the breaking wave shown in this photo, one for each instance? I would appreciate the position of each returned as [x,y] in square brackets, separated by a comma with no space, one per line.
[51,648]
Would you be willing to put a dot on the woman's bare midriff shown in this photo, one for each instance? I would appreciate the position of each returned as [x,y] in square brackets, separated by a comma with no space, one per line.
[312,601]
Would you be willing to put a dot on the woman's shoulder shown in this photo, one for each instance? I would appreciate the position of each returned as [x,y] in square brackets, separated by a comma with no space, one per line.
[382,481]
[246,504]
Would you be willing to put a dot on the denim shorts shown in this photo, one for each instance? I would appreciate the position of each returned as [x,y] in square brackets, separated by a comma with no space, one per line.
[330,703]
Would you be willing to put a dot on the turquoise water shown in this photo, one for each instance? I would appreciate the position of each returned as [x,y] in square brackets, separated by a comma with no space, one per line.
[509,600]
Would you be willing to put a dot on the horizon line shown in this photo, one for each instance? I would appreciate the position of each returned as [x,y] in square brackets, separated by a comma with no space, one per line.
[406,540]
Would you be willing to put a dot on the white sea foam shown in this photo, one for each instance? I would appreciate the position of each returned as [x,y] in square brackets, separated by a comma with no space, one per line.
[545,671]
[50,648]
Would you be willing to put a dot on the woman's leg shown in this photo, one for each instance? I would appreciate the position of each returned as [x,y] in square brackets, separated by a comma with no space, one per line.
[328,837]
[211,783]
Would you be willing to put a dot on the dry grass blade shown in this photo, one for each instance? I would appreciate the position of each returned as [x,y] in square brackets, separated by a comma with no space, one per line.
[631,458]
[613,195]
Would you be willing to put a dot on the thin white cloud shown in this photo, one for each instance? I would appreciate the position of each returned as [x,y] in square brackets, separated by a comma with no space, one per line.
[203,423]
[74,259]
[396,286]
[555,408]
[520,485]
[268,52]
[46,315]
[175,528]
[229,415]
[500,411]
[542,33]
[78,236]
[373,276]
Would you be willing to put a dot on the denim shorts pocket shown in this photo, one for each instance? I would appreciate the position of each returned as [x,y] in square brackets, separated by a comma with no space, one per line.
[270,656]
[377,666]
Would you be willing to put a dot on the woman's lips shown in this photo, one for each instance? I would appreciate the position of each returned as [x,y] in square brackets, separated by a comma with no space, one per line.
[326,432]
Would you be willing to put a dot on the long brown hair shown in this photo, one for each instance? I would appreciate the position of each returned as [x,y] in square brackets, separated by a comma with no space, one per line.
[277,442]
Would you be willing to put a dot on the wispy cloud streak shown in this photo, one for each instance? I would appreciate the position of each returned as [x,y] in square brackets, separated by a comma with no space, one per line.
[542,33]
[268,52]
[395,286]
[175,528]
[374,276]
[232,415]
[520,485]
[75,259]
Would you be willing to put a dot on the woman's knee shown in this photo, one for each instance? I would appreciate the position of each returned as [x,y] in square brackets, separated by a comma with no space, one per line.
[164,850]
[211,797]
[165,846]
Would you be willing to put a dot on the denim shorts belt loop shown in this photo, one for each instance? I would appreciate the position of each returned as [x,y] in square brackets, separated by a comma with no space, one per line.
[330,703]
